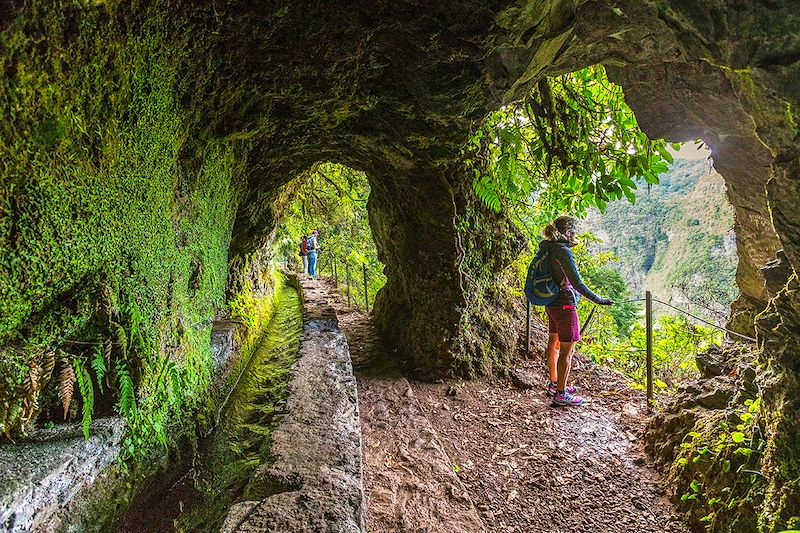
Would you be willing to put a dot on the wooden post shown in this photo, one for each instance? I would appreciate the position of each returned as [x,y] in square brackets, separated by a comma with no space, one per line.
[335,272]
[347,272]
[648,316]
[528,328]
[366,293]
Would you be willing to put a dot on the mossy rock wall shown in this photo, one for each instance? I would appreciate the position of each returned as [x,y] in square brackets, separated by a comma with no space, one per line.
[116,214]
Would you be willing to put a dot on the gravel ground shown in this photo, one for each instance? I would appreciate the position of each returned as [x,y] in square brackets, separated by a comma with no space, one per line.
[492,456]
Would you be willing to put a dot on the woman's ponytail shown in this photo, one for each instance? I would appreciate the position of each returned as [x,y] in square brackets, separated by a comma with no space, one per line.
[551,233]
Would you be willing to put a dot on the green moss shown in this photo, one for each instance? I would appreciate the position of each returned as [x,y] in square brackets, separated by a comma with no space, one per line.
[115,219]
[241,442]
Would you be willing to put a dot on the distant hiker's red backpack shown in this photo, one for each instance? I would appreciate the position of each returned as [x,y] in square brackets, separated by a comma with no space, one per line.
[304,246]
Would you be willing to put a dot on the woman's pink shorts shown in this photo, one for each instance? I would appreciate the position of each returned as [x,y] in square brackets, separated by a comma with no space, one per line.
[564,321]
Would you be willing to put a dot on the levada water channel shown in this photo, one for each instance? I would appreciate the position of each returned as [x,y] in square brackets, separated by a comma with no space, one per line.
[220,475]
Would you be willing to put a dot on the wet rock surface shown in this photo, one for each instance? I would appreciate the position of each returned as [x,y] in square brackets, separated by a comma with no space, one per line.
[46,476]
[486,456]
[314,483]
[222,332]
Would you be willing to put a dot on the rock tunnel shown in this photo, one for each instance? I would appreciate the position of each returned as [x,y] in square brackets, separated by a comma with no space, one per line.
[154,110]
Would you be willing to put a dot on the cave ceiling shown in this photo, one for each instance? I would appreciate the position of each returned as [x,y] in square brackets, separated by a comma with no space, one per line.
[394,89]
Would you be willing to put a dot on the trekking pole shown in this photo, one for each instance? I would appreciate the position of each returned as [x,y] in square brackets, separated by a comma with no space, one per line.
[335,272]
[648,315]
[366,293]
[588,319]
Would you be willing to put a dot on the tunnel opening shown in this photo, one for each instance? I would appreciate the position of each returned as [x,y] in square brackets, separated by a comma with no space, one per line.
[331,199]
[656,218]
[677,242]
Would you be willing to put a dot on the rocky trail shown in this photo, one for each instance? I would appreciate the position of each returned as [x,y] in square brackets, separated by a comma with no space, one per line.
[494,455]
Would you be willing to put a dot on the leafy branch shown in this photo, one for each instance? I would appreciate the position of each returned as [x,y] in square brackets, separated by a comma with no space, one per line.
[571,144]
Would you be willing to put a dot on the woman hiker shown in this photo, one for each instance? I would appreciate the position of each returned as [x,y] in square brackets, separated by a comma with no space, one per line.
[304,253]
[562,313]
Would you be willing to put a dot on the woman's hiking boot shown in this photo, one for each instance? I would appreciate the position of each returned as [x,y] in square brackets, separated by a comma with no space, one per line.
[552,389]
[565,398]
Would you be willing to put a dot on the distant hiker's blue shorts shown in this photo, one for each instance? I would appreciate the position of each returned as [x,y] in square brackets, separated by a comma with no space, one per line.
[563,319]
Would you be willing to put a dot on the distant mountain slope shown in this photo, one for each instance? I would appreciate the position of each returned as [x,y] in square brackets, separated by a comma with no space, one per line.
[677,240]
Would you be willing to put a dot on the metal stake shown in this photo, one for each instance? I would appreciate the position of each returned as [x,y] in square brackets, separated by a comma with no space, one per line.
[366,294]
[347,272]
[648,313]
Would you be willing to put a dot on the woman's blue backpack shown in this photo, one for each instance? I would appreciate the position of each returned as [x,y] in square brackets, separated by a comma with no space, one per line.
[540,288]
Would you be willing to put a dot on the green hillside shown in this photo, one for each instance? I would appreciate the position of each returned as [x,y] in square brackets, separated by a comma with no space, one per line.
[677,240]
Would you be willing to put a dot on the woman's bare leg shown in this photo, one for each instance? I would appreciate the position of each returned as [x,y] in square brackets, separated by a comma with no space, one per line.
[553,347]
[564,364]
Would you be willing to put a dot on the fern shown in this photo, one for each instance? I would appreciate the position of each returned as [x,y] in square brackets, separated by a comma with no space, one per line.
[122,340]
[107,352]
[136,323]
[66,383]
[127,398]
[49,364]
[486,192]
[31,380]
[99,365]
[86,389]
[11,418]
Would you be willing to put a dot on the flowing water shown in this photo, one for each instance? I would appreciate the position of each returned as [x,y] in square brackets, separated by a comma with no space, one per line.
[226,459]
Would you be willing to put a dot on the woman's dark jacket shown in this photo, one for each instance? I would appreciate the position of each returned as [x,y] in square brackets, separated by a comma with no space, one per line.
[565,274]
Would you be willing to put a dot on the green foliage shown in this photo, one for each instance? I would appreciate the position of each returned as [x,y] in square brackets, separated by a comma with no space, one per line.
[115,221]
[332,199]
[728,460]
[86,388]
[127,398]
[572,144]
[17,395]
[244,307]
[99,365]
[676,343]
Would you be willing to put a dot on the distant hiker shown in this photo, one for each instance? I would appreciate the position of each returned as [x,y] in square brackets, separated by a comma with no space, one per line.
[313,250]
[562,312]
[304,252]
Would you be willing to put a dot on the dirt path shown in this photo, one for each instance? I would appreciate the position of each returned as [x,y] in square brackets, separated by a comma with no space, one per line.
[488,456]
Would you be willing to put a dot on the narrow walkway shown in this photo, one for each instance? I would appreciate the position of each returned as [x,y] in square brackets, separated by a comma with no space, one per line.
[487,456]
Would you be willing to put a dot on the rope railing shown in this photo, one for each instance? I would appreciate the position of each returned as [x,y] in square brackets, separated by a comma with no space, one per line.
[687,313]
[648,299]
